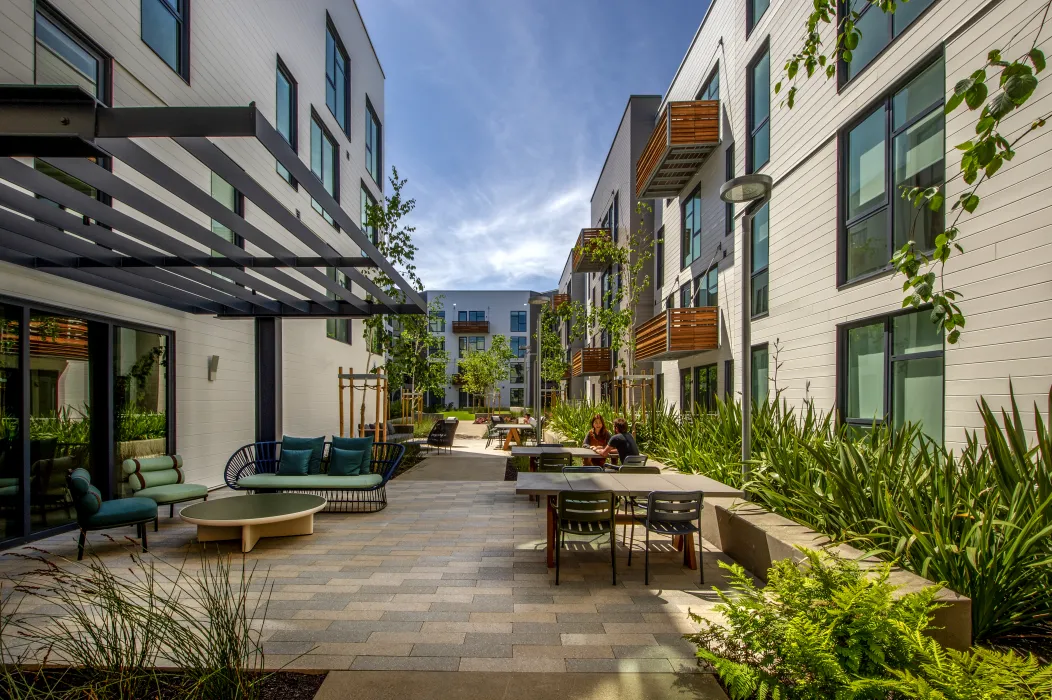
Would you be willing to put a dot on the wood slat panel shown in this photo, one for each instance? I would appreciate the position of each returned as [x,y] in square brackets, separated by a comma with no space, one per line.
[471,326]
[591,361]
[560,299]
[582,262]
[685,135]
[676,332]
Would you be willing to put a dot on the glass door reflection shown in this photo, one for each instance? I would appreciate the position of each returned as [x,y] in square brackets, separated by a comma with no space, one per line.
[10,435]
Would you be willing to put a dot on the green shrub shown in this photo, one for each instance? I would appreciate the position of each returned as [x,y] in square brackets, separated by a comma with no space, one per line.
[827,629]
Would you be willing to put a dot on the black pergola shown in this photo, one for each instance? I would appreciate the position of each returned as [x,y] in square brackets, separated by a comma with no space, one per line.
[69,130]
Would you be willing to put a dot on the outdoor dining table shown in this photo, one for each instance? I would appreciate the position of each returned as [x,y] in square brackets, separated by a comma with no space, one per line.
[549,485]
[511,431]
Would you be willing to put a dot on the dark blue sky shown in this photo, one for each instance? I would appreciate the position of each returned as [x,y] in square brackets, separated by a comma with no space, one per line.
[500,113]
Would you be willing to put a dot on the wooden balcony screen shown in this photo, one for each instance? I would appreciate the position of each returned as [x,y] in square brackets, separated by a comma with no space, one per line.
[685,135]
[583,262]
[560,299]
[587,361]
[471,326]
[678,332]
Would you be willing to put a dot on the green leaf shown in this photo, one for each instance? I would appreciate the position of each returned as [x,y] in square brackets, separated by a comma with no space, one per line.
[969,202]
[994,166]
[953,337]
[1037,57]
[851,41]
[954,102]
[1020,87]
[935,203]
[976,95]
[994,56]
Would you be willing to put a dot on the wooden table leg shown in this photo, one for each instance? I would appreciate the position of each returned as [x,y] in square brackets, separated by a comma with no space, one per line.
[551,531]
[507,440]
[690,555]
[677,542]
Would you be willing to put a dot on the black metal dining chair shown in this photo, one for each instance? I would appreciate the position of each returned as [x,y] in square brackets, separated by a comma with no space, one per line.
[587,469]
[589,513]
[672,513]
[633,505]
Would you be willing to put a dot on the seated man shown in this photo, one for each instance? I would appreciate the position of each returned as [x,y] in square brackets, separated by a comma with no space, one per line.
[621,442]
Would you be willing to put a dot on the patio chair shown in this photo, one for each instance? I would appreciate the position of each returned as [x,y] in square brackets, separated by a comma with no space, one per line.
[161,479]
[672,513]
[552,464]
[588,469]
[93,513]
[588,513]
[632,503]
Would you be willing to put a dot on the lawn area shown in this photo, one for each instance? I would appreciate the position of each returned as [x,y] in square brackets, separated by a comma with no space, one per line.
[466,415]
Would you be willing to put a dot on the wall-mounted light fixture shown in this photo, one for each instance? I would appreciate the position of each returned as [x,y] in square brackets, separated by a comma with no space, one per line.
[213,367]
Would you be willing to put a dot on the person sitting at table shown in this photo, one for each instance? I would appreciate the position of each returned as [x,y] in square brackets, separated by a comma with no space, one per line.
[598,436]
[621,442]
[526,418]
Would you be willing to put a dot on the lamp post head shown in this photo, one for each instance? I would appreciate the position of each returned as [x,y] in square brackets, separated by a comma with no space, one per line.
[540,300]
[746,188]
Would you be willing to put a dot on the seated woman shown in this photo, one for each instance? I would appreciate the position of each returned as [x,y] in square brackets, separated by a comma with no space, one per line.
[598,436]
[622,442]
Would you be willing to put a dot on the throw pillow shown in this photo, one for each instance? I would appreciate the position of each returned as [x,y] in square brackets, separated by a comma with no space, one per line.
[364,444]
[315,445]
[294,462]
[347,462]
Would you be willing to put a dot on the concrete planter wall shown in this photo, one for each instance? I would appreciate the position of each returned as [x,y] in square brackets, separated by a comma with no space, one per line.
[133,449]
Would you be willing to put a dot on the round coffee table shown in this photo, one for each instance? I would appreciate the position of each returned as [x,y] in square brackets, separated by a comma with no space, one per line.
[247,518]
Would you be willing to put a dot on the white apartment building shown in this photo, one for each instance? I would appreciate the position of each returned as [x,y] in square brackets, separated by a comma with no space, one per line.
[470,319]
[217,357]
[827,322]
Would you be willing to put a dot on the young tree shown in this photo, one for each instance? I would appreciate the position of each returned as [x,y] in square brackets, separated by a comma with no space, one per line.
[416,356]
[481,370]
[1014,82]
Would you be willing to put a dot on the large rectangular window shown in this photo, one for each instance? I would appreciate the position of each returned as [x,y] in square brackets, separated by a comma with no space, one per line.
[711,89]
[759,370]
[165,28]
[686,390]
[368,201]
[754,10]
[659,259]
[437,322]
[706,288]
[518,321]
[899,144]
[760,259]
[471,315]
[519,344]
[728,208]
[892,368]
[518,397]
[471,344]
[877,29]
[690,239]
[11,422]
[518,373]
[338,328]
[373,144]
[324,163]
[685,298]
[140,397]
[705,388]
[64,57]
[224,193]
[759,112]
[337,77]
[285,113]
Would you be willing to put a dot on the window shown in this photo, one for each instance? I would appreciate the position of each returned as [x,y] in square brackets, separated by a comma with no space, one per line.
[224,193]
[324,160]
[367,201]
[518,321]
[893,368]
[685,390]
[711,89]
[471,316]
[690,240]
[705,388]
[728,380]
[606,288]
[659,259]
[63,57]
[165,28]
[338,328]
[518,373]
[899,144]
[685,299]
[337,77]
[285,114]
[437,322]
[759,112]
[518,345]
[518,397]
[728,208]
[373,144]
[70,181]
[471,344]
[706,288]
[613,217]
[659,387]
[759,370]
[877,30]
[760,258]
[754,10]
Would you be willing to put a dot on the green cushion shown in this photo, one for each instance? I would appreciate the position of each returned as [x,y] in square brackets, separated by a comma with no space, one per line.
[152,464]
[315,445]
[173,493]
[86,498]
[294,462]
[364,444]
[320,481]
[347,462]
[122,512]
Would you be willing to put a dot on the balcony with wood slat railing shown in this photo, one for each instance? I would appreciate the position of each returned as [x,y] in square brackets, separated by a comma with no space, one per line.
[471,326]
[685,135]
[558,300]
[675,333]
[582,261]
[588,361]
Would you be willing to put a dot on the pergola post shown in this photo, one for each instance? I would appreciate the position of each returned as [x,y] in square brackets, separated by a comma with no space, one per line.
[268,379]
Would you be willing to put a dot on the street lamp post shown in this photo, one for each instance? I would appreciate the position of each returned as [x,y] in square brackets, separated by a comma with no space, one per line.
[753,190]
[539,300]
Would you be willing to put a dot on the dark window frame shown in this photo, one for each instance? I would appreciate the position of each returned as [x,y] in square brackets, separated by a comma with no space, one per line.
[765,269]
[86,42]
[843,7]
[659,259]
[370,115]
[687,244]
[515,318]
[367,230]
[182,17]
[710,372]
[326,134]
[330,30]
[728,172]
[752,129]
[753,349]
[294,121]
[882,101]
[520,345]
[714,75]
[887,320]
[750,21]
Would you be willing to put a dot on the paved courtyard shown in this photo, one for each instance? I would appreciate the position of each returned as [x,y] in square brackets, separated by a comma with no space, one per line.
[452,577]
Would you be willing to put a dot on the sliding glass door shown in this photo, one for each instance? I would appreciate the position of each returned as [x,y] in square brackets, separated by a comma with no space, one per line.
[140,397]
[11,484]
